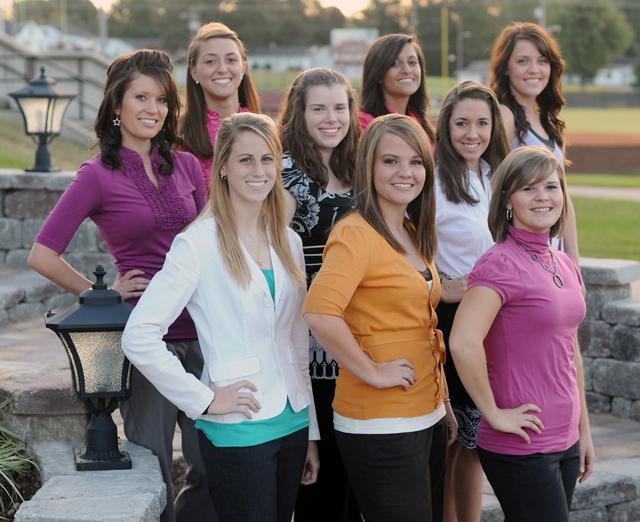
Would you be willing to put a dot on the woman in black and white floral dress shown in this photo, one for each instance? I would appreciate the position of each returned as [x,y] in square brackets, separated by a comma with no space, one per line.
[319,131]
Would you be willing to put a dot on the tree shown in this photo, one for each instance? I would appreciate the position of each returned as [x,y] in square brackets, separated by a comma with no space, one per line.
[74,13]
[591,35]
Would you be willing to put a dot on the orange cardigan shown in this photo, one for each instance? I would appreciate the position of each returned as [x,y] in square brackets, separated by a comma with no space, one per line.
[390,311]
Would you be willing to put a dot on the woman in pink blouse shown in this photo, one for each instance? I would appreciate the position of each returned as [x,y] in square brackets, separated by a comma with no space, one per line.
[219,84]
[514,343]
[140,194]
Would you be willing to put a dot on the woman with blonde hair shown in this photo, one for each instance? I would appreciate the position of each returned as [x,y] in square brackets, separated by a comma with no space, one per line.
[239,271]
[372,306]
[218,84]
[514,343]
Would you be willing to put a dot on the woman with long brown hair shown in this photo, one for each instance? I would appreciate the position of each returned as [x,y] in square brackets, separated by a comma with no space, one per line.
[218,84]
[372,306]
[526,75]
[393,81]
[319,130]
[239,270]
[140,194]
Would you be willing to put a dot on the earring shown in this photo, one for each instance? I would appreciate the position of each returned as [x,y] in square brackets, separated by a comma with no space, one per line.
[223,176]
[197,81]
[509,214]
[116,121]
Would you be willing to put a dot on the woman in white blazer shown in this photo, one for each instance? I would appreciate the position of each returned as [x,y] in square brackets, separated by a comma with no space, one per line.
[240,273]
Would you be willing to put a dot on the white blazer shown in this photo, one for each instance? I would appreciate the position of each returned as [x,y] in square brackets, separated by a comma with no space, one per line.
[243,333]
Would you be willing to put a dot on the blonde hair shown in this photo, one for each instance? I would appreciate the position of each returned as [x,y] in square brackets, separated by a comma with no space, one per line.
[422,209]
[523,166]
[273,208]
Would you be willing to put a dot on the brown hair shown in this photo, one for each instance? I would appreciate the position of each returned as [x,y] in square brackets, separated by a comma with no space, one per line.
[422,209]
[122,71]
[523,166]
[380,58]
[550,100]
[193,125]
[273,213]
[295,136]
[452,168]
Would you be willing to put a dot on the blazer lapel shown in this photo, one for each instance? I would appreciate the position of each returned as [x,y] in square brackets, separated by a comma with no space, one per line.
[256,274]
[279,274]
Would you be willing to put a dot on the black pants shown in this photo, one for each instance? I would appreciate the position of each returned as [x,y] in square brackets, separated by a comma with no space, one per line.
[533,488]
[256,483]
[437,460]
[389,474]
[331,498]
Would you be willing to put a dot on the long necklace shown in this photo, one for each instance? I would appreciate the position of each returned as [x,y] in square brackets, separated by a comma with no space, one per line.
[552,269]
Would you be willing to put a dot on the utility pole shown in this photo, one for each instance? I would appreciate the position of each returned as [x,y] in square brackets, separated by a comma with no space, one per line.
[444,40]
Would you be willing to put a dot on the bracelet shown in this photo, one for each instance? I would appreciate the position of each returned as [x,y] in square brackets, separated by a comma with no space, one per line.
[446,400]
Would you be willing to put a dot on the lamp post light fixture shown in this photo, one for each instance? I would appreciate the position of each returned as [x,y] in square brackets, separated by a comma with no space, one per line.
[42,107]
[91,331]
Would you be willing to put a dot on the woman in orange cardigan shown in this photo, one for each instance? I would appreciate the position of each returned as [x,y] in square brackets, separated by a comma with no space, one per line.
[372,306]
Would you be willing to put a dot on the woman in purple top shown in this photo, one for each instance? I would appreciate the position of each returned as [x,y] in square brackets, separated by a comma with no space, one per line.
[140,194]
[526,75]
[218,84]
[514,343]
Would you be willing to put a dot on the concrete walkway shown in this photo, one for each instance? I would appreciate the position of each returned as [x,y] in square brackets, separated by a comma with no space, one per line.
[628,194]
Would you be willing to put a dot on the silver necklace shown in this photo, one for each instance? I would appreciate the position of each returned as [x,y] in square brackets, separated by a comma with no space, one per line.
[552,269]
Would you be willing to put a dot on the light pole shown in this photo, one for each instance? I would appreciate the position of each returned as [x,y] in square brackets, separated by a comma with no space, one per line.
[42,107]
[91,331]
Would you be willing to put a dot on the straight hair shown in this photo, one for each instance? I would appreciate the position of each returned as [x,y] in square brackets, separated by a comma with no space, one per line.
[421,210]
[193,126]
[379,59]
[452,168]
[523,166]
[273,207]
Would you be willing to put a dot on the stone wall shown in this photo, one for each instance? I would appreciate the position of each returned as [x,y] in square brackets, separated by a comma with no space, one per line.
[610,337]
[25,201]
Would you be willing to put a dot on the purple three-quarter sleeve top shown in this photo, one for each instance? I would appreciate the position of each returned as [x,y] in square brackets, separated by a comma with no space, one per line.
[136,219]
[530,345]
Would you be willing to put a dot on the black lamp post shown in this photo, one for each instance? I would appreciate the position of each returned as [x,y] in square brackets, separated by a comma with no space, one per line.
[42,107]
[90,332]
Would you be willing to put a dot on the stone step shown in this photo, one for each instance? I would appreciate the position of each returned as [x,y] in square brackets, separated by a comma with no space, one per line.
[25,294]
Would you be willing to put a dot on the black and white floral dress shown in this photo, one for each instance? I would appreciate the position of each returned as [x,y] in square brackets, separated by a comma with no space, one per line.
[316,212]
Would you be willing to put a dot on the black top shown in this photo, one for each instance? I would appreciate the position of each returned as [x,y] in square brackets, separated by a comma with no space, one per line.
[316,212]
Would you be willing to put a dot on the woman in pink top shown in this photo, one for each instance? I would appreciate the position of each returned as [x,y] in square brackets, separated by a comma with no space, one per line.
[393,80]
[514,343]
[218,84]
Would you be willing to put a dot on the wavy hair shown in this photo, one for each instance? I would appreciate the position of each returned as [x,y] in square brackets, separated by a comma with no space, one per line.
[273,213]
[551,100]
[193,125]
[523,166]
[122,71]
[379,59]
[452,168]
[295,136]
[422,210]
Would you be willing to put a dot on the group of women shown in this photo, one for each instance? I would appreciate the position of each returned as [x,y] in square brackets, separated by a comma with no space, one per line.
[439,314]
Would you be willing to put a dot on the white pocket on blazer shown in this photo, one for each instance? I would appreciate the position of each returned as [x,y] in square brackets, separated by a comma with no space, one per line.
[223,373]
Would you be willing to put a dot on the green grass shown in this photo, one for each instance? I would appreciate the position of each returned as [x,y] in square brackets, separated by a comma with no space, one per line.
[18,151]
[612,120]
[606,228]
[605,180]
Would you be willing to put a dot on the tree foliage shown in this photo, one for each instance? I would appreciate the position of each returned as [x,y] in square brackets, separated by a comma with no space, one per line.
[591,35]
[79,14]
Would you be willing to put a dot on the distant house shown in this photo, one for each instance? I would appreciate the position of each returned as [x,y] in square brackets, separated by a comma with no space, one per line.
[619,74]
[478,71]
[349,48]
[47,37]
[290,58]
